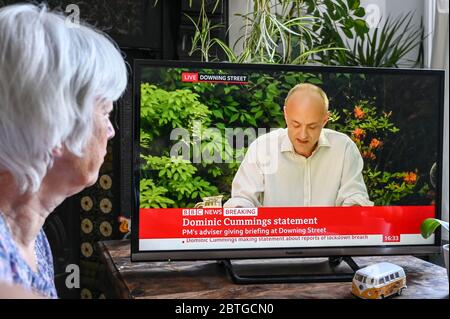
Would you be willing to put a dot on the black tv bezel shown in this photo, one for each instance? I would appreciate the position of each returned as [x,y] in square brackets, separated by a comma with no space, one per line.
[283,252]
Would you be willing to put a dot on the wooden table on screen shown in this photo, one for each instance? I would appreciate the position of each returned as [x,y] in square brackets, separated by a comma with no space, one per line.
[208,279]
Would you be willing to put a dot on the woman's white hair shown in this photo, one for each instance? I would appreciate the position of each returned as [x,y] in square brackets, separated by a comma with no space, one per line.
[51,74]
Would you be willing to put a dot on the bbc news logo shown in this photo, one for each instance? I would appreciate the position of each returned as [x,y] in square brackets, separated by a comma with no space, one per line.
[195,77]
[193,212]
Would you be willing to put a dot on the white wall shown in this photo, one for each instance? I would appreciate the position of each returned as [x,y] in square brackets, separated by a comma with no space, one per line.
[236,23]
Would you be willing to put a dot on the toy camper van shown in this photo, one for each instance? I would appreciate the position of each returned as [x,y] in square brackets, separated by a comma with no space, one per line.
[379,281]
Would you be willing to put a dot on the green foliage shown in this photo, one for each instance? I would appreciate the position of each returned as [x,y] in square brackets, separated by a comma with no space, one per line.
[386,188]
[176,184]
[336,18]
[364,115]
[387,45]
[173,109]
[170,180]
[284,31]
[202,40]
[430,225]
[175,168]
[370,129]
[152,196]
[311,31]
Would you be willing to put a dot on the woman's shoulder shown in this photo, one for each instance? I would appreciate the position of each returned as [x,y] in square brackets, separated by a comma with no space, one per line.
[5,252]
[43,249]
[14,270]
[5,240]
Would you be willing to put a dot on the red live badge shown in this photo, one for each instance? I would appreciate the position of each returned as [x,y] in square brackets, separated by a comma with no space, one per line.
[189,77]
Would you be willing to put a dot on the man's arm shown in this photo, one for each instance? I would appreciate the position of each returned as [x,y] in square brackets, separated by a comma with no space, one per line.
[353,191]
[248,184]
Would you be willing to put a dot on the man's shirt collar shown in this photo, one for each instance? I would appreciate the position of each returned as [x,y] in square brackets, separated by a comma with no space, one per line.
[286,145]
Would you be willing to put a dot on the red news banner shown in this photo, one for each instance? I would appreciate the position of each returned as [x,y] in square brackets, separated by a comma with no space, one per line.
[345,223]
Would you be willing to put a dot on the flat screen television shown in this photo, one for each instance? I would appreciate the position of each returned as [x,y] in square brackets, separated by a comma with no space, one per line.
[217,175]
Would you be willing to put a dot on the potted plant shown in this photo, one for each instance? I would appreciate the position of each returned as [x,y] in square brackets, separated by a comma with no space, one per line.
[309,32]
[428,227]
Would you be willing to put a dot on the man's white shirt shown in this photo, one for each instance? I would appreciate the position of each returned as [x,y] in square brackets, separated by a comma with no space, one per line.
[272,174]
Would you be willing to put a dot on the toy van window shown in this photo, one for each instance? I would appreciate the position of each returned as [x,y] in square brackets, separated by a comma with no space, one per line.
[397,275]
[381,281]
[358,277]
[386,278]
[392,277]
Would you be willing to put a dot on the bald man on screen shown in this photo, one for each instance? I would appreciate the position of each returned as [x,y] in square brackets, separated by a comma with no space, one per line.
[303,165]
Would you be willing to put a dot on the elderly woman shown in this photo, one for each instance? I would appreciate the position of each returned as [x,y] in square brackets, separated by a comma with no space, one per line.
[57,85]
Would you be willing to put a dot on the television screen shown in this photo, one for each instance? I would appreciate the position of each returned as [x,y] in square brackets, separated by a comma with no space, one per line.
[251,161]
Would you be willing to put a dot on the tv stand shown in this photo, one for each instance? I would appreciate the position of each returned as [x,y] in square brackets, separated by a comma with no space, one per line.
[290,271]
[201,279]
[335,261]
